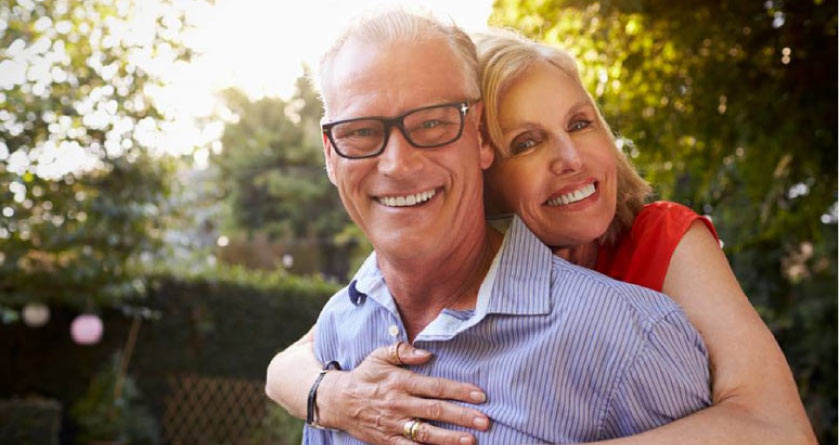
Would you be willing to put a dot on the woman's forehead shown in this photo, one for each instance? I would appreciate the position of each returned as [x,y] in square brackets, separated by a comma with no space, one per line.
[542,88]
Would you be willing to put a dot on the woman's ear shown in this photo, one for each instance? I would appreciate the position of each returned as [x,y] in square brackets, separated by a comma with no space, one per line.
[486,151]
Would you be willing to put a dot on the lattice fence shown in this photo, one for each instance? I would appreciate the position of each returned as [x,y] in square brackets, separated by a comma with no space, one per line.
[210,410]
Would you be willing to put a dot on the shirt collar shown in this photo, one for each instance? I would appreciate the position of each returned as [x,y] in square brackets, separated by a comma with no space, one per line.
[369,282]
[520,286]
[523,282]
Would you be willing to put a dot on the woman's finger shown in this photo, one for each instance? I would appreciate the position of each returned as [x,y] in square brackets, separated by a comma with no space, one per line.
[410,355]
[440,388]
[443,412]
[428,433]
[400,353]
[399,440]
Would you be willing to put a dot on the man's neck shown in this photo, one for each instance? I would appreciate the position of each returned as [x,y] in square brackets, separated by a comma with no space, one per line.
[424,287]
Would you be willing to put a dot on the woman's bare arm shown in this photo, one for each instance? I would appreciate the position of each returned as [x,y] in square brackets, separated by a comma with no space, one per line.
[291,373]
[755,399]
[373,401]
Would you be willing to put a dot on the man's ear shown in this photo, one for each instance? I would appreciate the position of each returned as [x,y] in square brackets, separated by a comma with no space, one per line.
[487,154]
[328,159]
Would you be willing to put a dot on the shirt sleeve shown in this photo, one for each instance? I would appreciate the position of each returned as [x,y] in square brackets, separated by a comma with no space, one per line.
[668,379]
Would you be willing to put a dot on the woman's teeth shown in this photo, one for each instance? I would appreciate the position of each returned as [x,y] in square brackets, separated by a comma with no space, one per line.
[407,200]
[570,198]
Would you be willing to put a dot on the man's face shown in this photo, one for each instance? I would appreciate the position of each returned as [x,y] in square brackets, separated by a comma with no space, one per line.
[412,203]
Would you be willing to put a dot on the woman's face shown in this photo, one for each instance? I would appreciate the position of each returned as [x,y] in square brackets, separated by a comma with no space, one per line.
[561,177]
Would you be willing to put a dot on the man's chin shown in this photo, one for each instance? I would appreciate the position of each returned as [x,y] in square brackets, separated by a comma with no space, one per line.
[405,243]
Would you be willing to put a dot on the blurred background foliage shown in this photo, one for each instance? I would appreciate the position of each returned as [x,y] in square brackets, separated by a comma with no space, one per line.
[84,198]
[226,249]
[731,108]
[278,200]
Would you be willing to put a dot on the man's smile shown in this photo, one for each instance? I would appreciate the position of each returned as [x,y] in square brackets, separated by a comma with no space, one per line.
[407,200]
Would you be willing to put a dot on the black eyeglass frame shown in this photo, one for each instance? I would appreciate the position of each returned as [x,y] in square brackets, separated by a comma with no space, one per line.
[398,122]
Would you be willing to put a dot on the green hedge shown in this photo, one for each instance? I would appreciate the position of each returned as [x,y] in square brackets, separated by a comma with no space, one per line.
[227,322]
[29,421]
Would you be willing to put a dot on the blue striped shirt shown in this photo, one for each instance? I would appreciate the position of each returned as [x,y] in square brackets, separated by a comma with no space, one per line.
[564,354]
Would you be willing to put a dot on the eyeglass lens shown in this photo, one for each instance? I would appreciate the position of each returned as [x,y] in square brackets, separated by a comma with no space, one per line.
[423,128]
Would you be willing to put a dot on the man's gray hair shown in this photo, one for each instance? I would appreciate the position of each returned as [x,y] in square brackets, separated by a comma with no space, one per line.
[400,24]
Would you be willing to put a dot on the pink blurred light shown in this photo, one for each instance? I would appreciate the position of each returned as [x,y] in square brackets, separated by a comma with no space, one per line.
[86,329]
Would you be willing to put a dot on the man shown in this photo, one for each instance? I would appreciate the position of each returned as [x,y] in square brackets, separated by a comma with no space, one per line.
[564,353]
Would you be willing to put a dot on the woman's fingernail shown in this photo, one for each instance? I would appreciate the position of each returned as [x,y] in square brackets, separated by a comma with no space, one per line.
[478,396]
[467,440]
[421,353]
[481,422]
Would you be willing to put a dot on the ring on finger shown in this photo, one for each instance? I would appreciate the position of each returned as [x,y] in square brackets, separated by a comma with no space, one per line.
[414,428]
[408,429]
[394,353]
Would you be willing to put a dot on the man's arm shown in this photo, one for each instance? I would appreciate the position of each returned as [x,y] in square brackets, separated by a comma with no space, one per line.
[754,394]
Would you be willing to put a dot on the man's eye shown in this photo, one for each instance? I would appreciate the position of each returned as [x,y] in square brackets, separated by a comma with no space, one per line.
[579,125]
[364,132]
[356,133]
[431,124]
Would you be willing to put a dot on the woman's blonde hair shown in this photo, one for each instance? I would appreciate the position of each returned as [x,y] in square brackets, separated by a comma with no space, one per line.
[504,56]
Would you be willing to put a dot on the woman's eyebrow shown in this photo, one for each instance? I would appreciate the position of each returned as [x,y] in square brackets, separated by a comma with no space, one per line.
[579,106]
[529,125]
[519,125]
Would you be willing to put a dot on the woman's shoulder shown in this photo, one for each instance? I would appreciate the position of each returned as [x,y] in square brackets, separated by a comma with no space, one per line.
[665,210]
[666,219]
[642,255]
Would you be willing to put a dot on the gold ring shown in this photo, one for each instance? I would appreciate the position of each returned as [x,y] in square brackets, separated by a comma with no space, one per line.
[394,353]
[414,428]
[408,428]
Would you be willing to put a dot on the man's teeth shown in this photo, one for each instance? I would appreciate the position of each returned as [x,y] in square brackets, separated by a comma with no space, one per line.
[407,200]
[572,197]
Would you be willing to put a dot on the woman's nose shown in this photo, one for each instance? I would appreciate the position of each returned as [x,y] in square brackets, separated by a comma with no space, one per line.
[565,157]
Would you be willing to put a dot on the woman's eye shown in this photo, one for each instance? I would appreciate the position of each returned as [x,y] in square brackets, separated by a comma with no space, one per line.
[579,124]
[522,145]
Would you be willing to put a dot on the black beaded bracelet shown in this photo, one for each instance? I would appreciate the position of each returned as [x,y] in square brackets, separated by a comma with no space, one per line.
[311,406]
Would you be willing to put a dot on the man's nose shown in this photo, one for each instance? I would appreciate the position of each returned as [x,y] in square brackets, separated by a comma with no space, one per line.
[399,158]
[565,155]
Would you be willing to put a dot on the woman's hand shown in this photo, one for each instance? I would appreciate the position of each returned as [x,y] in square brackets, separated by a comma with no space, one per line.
[374,401]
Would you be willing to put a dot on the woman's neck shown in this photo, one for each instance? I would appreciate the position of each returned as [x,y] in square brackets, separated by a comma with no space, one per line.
[584,255]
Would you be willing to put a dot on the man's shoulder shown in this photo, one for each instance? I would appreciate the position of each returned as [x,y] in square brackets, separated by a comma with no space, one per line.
[354,294]
[578,285]
[339,300]
[344,303]
[624,317]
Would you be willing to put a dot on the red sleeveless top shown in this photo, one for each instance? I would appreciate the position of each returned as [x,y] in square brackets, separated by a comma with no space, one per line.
[642,255]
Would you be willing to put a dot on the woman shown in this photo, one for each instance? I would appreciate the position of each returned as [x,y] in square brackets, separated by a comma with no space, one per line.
[558,168]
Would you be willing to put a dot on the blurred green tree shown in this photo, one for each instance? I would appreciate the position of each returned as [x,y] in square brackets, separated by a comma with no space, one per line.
[730,108]
[272,176]
[83,183]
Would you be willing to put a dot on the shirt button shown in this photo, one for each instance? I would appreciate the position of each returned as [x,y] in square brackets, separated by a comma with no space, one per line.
[393,330]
